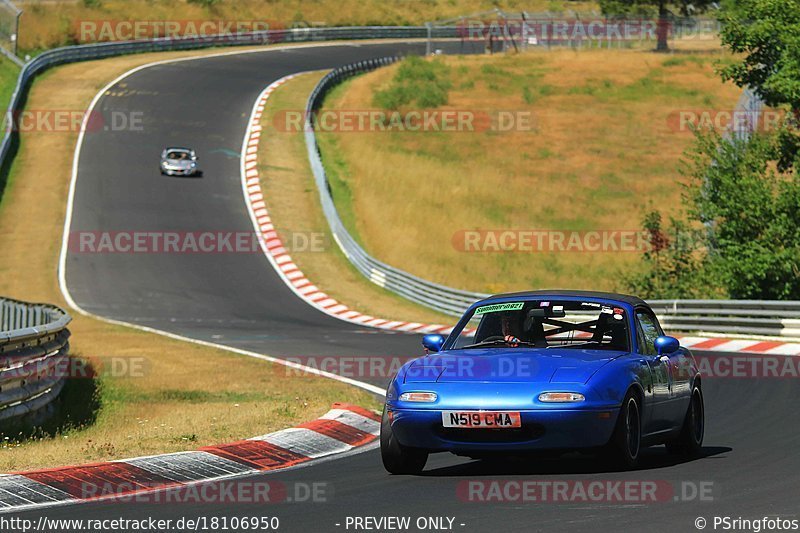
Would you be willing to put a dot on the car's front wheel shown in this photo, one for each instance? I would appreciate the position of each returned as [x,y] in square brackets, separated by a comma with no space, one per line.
[690,441]
[626,442]
[399,459]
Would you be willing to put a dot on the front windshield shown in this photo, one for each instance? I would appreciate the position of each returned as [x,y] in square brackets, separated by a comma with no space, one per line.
[547,323]
[179,155]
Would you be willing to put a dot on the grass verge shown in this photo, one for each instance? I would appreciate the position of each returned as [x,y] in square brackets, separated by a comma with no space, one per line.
[293,201]
[604,145]
[175,395]
[8,80]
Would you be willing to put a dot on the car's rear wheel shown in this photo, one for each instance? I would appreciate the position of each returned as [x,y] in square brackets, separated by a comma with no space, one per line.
[690,441]
[399,459]
[626,442]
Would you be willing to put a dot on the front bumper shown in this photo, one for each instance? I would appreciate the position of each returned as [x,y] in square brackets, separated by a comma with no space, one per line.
[542,429]
[179,172]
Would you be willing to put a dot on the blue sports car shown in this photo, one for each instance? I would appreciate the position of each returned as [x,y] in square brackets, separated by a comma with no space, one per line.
[545,371]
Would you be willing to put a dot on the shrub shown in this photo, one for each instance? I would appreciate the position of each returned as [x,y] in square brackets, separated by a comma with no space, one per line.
[417,81]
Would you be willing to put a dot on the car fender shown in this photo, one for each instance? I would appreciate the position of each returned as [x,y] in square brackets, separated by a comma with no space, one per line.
[613,381]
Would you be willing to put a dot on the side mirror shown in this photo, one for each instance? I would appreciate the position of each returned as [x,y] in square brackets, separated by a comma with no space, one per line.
[433,342]
[666,345]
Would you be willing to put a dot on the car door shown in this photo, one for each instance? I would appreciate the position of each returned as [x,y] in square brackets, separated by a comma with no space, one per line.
[660,418]
[681,381]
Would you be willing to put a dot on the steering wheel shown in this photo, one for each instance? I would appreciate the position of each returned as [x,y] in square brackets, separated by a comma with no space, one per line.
[494,338]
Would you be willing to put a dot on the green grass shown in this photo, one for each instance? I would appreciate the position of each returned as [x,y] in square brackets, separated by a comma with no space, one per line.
[337,172]
[8,81]
[600,150]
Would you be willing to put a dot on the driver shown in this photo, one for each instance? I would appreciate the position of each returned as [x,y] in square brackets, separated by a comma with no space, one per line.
[508,334]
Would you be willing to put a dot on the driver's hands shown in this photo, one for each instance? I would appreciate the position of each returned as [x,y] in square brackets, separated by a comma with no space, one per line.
[512,340]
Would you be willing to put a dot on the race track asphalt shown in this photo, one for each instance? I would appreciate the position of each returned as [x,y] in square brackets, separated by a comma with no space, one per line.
[234,299]
[752,435]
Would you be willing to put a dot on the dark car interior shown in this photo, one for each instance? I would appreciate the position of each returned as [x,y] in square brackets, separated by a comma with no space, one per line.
[565,324]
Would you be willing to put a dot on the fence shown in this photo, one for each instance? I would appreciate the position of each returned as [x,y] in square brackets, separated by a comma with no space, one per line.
[34,341]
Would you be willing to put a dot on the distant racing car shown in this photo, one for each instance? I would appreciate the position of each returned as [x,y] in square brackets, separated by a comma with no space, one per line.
[545,370]
[176,161]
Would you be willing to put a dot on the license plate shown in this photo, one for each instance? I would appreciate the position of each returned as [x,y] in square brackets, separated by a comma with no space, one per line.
[481,419]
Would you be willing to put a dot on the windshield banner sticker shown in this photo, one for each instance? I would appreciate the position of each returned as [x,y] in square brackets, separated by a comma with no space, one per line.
[496,308]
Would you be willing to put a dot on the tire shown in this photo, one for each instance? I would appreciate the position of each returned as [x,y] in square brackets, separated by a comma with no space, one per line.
[399,459]
[690,441]
[626,442]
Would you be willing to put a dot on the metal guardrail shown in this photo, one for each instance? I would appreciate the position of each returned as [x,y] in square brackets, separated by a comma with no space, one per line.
[34,342]
[747,317]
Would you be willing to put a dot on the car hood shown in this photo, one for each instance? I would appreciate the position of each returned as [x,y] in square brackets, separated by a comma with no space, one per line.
[509,365]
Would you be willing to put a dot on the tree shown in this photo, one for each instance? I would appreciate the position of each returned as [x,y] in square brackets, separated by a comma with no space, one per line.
[648,8]
[741,236]
[744,194]
[766,36]
[751,211]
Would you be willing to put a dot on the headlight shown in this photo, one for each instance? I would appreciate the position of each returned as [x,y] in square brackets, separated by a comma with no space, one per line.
[422,397]
[192,164]
[561,397]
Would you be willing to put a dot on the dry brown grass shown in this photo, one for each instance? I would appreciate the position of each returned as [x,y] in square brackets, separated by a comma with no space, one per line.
[54,23]
[602,150]
[172,406]
[293,202]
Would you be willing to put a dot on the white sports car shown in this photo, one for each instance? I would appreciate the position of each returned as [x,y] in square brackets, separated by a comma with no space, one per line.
[179,162]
